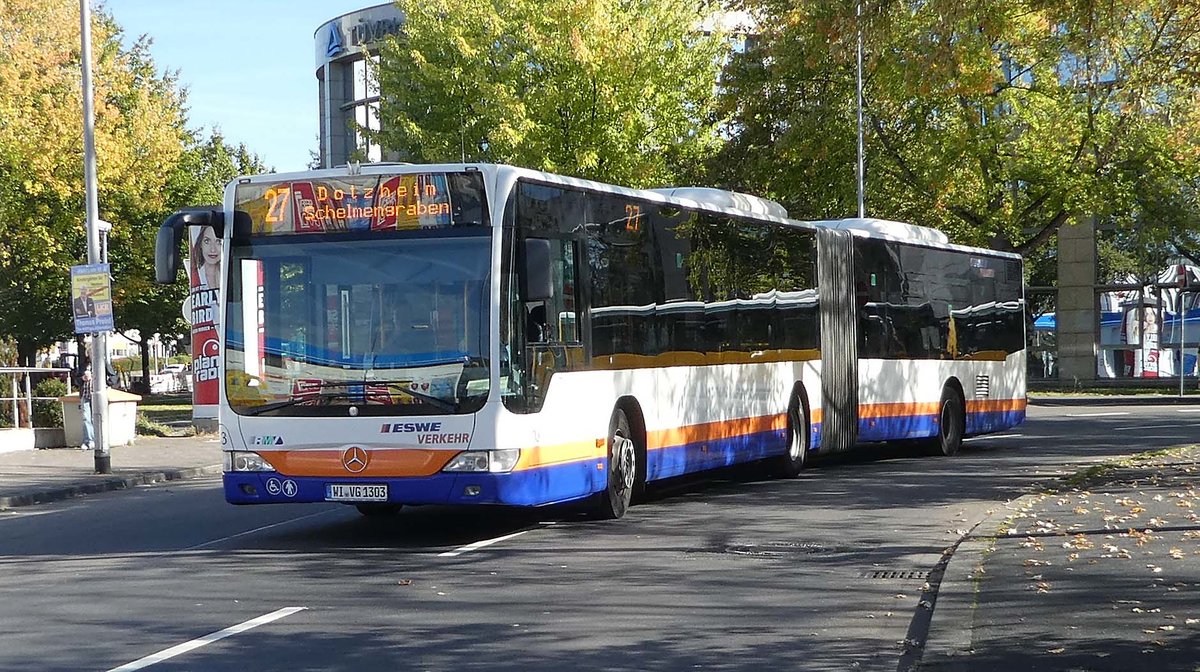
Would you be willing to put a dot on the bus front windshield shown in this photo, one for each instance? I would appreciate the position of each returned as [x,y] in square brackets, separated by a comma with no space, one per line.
[393,324]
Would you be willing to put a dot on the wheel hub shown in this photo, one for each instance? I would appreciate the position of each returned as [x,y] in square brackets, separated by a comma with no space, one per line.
[623,461]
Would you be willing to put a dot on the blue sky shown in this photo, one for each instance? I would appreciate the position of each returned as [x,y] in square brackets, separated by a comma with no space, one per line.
[249,65]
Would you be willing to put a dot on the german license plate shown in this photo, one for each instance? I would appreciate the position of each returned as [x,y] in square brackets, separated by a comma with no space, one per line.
[355,492]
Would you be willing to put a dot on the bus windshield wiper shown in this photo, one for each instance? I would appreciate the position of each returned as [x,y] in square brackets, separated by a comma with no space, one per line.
[257,410]
[402,387]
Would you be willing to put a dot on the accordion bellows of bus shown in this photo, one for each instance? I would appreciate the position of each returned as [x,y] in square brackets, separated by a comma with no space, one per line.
[485,334]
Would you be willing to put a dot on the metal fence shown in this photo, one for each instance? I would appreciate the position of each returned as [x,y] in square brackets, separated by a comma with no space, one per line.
[17,383]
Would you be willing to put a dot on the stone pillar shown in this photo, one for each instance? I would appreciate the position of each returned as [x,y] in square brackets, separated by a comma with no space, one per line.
[1076,310]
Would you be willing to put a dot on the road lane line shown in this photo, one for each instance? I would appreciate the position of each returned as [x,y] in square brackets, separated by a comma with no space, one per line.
[207,639]
[1139,428]
[480,544]
[1095,415]
[994,436]
[257,529]
[1187,410]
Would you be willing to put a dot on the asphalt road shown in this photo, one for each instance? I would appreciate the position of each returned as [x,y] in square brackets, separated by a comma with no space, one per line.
[730,572]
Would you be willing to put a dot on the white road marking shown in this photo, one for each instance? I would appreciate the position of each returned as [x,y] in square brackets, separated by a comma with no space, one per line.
[1095,415]
[479,544]
[1139,428]
[257,529]
[995,436]
[1187,410]
[155,658]
[17,514]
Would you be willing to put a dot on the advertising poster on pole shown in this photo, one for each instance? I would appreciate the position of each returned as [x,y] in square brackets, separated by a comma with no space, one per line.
[91,298]
[204,273]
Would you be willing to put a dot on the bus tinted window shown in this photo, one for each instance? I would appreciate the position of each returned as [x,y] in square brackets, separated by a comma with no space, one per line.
[924,303]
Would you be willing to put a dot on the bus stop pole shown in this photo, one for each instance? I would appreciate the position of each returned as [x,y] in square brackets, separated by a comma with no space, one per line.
[101,456]
[1182,340]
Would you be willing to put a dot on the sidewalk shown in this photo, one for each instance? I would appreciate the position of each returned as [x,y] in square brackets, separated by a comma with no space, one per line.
[38,476]
[1113,399]
[1101,575]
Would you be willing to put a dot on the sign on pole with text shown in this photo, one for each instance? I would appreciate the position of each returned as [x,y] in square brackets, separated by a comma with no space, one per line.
[91,298]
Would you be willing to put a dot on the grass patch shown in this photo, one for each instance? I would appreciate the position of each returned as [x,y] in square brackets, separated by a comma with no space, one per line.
[1111,392]
[1099,473]
[166,408]
[164,415]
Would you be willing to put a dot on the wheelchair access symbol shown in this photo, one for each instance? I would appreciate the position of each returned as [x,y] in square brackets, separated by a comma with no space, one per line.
[274,487]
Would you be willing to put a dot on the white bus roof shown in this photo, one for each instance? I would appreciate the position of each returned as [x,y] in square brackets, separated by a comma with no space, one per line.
[713,200]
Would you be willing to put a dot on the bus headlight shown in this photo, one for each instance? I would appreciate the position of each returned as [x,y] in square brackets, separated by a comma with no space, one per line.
[244,461]
[495,461]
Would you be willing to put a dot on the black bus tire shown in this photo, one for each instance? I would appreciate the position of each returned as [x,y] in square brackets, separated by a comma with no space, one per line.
[791,463]
[952,419]
[614,500]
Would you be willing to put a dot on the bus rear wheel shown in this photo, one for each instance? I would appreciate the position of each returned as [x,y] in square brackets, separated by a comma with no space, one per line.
[791,463]
[616,497]
[378,510]
[952,421]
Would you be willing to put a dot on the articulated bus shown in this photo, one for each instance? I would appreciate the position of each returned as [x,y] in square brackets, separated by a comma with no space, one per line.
[483,334]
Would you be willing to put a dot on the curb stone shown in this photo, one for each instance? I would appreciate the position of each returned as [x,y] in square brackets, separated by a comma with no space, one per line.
[106,483]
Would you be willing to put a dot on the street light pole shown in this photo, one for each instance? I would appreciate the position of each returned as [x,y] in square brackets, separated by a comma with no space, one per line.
[862,208]
[101,456]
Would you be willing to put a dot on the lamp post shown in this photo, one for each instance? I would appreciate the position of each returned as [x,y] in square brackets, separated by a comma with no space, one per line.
[96,248]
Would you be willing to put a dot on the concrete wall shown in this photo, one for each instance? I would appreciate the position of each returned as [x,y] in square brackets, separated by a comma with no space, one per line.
[1076,310]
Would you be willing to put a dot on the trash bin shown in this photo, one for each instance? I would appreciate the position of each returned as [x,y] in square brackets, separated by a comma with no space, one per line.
[122,418]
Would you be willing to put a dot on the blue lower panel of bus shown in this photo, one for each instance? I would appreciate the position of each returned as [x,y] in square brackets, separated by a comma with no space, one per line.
[897,427]
[543,485]
[710,454]
[922,426]
[993,421]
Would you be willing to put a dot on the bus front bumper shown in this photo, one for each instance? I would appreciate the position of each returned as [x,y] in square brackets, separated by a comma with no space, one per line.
[533,487]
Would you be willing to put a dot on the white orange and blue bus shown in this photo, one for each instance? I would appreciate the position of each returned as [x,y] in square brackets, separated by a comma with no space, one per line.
[484,334]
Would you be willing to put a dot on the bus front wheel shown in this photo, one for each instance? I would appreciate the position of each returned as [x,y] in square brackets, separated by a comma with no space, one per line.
[952,421]
[614,500]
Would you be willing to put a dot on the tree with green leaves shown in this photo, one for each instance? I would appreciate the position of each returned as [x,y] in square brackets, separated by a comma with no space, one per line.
[615,90]
[996,122]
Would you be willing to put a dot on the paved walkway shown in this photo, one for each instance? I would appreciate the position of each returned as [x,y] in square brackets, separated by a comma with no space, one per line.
[1101,575]
[37,476]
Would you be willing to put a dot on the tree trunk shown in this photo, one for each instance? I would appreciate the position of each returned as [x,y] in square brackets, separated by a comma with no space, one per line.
[26,353]
[144,348]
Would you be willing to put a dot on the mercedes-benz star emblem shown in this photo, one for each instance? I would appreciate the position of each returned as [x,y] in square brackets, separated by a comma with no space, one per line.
[354,459]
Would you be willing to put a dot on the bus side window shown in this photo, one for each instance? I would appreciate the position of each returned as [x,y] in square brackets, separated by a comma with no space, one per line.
[552,329]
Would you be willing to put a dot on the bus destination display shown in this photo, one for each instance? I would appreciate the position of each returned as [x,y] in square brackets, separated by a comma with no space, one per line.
[355,203]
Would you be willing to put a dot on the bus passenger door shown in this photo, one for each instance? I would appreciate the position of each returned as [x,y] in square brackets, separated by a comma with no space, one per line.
[551,315]
[839,340]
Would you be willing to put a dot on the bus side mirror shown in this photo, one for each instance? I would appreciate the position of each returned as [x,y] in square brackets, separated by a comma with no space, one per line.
[536,282]
[170,236]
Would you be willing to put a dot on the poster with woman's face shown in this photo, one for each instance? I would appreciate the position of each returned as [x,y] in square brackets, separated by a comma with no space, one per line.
[204,305]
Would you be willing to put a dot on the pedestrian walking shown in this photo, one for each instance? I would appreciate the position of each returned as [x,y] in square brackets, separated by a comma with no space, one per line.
[85,408]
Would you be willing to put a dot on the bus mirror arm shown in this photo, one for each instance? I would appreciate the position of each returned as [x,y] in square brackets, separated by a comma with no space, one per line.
[170,236]
[537,284]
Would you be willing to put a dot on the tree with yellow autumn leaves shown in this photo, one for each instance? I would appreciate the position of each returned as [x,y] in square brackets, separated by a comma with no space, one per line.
[148,164]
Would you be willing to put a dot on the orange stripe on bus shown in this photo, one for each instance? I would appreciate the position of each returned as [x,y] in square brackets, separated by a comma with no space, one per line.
[870,411]
[996,405]
[380,462]
[576,451]
[712,431]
